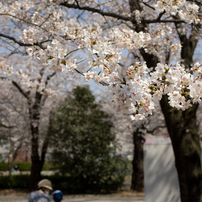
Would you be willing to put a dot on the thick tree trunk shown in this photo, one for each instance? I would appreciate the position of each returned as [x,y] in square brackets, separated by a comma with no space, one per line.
[35,175]
[183,132]
[137,183]
[37,161]
[37,164]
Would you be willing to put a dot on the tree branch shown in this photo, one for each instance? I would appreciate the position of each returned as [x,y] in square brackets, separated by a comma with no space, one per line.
[95,10]
[17,149]
[21,90]
[5,126]
[44,147]
[46,82]
[156,128]
[20,43]
[119,17]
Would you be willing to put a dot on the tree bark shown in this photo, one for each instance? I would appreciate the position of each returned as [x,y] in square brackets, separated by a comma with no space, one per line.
[183,132]
[137,183]
[37,162]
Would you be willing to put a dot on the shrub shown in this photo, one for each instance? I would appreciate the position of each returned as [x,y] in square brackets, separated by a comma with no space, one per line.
[3,166]
[24,166]
[68,184]
[48,166]
[14,181]
[83,143]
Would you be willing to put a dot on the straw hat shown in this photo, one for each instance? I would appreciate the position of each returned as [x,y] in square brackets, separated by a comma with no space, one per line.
[45,183]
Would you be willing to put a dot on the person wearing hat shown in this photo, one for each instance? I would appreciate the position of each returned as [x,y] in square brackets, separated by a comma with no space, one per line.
[42,194]
[57,196]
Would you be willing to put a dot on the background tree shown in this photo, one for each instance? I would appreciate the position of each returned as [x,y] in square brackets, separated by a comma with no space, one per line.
[84,146]
[35,81]
[154,125]
[131,136]
[14,130]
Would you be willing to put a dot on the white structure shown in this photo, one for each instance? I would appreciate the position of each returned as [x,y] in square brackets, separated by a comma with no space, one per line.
[161,181]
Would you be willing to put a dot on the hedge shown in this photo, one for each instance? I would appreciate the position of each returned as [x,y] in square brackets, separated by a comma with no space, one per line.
[69,185]
[14,181]
[24,166]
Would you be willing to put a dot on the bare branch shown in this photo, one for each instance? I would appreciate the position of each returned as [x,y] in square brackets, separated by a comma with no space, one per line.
[148,5]
[5,126]
[26,95]
[20,19]
[46,83]
[95,10]
[119,17]
[82,73]
[161,14]
[154,129]
[20,43]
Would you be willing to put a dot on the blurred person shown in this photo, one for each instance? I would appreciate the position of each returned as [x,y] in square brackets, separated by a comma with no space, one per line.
[42,194]
[16,169]
[57,196]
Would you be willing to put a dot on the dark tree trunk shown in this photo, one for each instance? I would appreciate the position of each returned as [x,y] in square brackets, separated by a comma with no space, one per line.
[37,164]
[183,132]
[35,175]
[37,161]
[137,183]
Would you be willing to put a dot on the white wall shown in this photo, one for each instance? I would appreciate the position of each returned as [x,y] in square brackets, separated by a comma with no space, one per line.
[161,181]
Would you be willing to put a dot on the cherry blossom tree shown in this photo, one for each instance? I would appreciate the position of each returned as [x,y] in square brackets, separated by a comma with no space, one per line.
[36,84]
[162,37]
[13,131]
[131,136]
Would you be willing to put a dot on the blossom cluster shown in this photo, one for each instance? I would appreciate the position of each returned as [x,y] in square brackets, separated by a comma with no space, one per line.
[187,11]
[134,90]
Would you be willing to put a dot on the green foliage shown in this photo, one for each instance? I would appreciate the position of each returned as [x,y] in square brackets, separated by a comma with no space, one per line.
[25,166]
[48,166]
[83,146]
[3,166]
[14,181]
[68,184]
[79,184]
